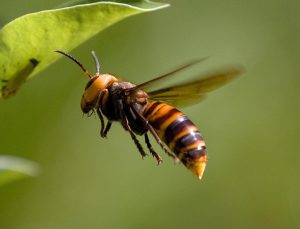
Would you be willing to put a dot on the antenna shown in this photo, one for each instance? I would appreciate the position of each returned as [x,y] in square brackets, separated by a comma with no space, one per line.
[96,62]
[76,61]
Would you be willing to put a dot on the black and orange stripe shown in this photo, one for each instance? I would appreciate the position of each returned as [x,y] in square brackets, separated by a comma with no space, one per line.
[178,132]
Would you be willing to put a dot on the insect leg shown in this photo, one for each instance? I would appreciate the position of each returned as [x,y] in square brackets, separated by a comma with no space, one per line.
[107,128]
[154,154]
[102,123]
[126,125]
[152,131]
[103,131]
[136,141]
[167,151]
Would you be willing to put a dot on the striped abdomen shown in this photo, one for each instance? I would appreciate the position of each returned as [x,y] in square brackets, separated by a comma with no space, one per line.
[178,132]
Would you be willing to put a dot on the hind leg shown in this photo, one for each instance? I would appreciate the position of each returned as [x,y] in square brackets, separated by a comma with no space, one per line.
[154,154]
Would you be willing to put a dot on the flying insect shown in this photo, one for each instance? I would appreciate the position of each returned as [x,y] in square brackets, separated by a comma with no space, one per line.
[142,110]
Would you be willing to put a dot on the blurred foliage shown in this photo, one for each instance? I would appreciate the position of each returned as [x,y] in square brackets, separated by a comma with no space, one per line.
[14,168]
[251,126]
[27,43]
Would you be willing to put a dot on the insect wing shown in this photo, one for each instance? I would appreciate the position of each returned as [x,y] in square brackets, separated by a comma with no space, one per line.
[193,92]
[154,82]
[179,100]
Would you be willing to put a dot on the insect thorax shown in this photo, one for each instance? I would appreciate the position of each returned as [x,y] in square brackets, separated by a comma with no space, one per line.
[119,101]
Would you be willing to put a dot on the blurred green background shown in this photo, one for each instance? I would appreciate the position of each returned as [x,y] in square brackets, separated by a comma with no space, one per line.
[251,126]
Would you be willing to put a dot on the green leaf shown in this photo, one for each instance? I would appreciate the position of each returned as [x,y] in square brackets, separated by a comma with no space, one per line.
[27,43]
[14,168]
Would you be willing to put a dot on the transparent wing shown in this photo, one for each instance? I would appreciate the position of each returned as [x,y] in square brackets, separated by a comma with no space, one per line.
[194,91]
[154,82]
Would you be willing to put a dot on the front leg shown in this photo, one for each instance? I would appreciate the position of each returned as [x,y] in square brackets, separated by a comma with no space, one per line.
[107,128]
[103,131]
[101,96]
[101,121]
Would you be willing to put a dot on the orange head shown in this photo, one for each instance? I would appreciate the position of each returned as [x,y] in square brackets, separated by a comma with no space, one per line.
[96,84]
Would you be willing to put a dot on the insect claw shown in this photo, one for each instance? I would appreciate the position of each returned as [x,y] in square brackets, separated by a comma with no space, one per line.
[104,136]
[144,155]
[90,113]
[160,161]
[176,160]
